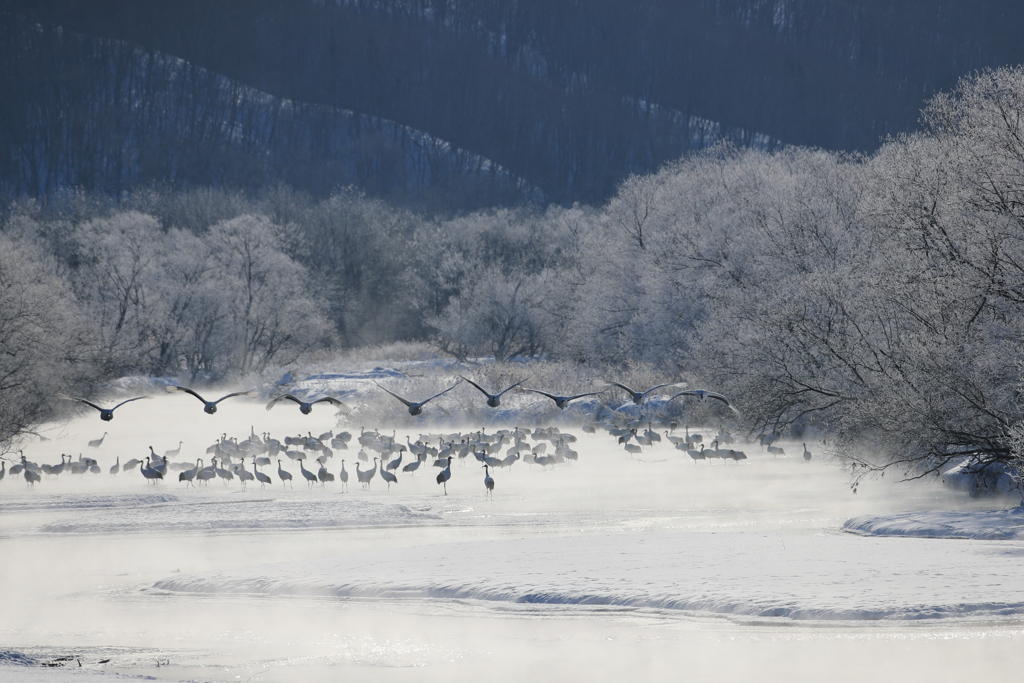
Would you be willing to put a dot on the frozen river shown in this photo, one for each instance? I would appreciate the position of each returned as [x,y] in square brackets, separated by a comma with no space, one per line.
[606,569]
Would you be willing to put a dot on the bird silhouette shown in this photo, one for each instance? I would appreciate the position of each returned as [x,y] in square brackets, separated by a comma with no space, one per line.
[415,408]
[106,414]
[188,475]
[263,479]
[388,477]
[562,401]
[285,475]
[307,475]
[96,443]
[493,400]
[364,476]
[394,464]
[638,396]
[151,474]
[444,475]
[344,476]
[31,476]
[56,470]
[116,467]
[323,475]
[205,474]
[209,407]
[488,483]
[244,475]
[159,464]
[702,396]
[306,407]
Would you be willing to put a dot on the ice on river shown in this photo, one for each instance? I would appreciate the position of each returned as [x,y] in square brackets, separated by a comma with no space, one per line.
[613,567]
[822,577]
[259,513]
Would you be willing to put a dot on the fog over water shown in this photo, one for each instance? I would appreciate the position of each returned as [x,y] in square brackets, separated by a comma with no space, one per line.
[610,568]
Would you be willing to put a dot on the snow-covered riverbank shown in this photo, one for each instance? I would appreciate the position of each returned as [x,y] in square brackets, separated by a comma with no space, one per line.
[610,567]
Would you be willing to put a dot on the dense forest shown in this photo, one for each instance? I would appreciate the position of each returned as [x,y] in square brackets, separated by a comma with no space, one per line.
[569,97]
[797,203]
[879,298]
[105,117]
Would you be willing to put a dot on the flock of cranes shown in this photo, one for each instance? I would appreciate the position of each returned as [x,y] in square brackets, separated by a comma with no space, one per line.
[228,457]
[389,457]
[414,407]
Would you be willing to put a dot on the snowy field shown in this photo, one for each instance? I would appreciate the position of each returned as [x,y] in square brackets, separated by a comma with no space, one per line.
[613,567]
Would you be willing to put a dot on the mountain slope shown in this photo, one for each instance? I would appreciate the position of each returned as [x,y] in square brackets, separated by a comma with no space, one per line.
[106,116]
[548,88]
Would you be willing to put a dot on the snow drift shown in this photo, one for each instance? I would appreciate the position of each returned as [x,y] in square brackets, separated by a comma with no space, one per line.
[790,576]
[993,525]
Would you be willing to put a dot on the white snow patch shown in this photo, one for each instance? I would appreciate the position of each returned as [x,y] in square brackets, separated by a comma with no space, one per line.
[377,373]
[85,501]
[244,515]
[992,525]
[794,576]
[979,479]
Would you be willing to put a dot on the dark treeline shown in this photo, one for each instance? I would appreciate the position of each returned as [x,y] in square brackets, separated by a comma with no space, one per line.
[553,90]
[836,74]
[105,117]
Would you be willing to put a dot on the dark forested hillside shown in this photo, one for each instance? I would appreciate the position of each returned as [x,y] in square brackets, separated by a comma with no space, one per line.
[560,92]
[106,117]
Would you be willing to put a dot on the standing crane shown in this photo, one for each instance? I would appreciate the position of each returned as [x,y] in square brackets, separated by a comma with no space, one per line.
[364,476]
[263,479]
[286,476]
[388,477]
[488,484]
[444,475]
[189,475]
[307,475]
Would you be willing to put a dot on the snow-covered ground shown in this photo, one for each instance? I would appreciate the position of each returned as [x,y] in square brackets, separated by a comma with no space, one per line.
[648,567]
[991,525]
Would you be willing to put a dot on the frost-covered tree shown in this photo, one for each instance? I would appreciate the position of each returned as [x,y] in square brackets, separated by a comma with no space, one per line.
[43,345]
[496,315]
[211,302]
[950,205]
[876,299]
[112,262]
[363,255]
[189,317]
[271,308]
